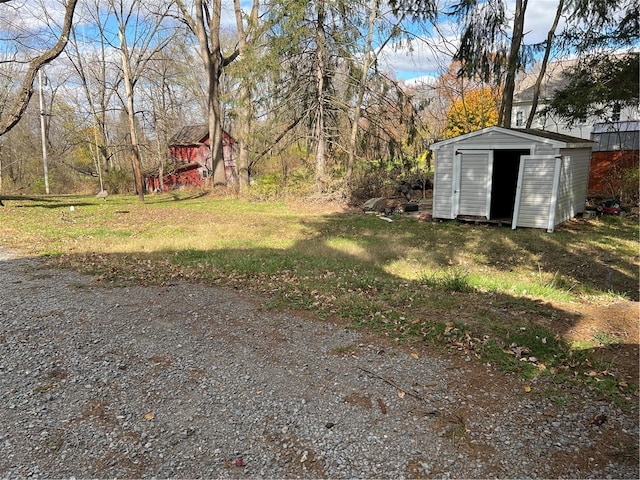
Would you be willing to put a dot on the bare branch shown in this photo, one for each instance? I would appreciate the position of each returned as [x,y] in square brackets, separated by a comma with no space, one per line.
[26,89]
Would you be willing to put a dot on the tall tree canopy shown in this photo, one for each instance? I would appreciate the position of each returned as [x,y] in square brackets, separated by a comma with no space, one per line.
[604,81]
[599,86]
[301,86]
[492,45]
[476,110]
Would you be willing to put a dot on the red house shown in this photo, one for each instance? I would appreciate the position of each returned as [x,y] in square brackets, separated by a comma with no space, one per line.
[190,160]
[616,153]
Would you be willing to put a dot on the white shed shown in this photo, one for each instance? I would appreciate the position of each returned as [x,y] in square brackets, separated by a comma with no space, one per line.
[525,177]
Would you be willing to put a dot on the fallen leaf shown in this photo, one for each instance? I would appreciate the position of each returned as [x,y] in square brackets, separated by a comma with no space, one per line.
[518,351]
[415,355]
[149,416]
[382,406]
[527,388]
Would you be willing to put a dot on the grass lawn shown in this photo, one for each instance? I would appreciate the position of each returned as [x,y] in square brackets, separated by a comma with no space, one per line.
[512,298]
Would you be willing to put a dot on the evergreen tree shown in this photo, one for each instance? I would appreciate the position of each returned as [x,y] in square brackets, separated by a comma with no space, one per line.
[599,86]
[604,81]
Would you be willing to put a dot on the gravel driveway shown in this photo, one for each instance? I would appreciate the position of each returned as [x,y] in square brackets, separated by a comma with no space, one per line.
[196,381]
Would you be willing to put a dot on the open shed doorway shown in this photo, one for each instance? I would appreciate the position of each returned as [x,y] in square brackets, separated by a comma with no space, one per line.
[504,181]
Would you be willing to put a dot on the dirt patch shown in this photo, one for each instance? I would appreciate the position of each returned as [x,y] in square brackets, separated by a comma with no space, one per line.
[614,330]
[618,321]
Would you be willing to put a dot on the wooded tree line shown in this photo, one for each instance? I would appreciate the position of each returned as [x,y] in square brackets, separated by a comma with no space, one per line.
[299,85]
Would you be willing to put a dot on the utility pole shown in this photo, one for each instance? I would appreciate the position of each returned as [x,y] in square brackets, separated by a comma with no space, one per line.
[44,135]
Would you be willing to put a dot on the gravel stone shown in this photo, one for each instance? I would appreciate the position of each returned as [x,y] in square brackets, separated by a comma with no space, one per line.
[189,381]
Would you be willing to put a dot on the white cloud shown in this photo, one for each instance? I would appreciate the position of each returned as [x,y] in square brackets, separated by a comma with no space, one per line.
[428,56]
[423,81]
[539,19]
[423,55]
[31,15]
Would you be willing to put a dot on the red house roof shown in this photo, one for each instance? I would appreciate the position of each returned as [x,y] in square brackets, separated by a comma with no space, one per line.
[195,135]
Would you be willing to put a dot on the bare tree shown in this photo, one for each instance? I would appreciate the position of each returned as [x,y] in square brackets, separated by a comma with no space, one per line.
[166,91]
[205,25]
[245,110]
[148,41]
[25,92]
[362,82]
[98,78]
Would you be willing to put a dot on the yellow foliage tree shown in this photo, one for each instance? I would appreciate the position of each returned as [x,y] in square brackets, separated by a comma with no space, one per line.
[477,109]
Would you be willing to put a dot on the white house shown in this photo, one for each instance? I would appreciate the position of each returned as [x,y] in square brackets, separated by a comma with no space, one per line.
[554,80]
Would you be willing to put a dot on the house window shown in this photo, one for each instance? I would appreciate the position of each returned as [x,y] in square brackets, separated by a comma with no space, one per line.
[616,113]
[519,118]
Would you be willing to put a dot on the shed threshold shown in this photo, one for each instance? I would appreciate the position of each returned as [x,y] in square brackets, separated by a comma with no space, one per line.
[481,220]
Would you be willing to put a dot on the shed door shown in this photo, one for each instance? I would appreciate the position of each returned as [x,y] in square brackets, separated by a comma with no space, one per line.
[472,192]
[537,192]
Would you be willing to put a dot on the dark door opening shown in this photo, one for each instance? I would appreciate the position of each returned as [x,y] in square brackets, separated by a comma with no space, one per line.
[504,182]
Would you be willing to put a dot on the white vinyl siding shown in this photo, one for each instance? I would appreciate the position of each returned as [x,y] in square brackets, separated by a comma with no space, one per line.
[475,183]
[535,192]
[574,178]
[443,184]
[545,149]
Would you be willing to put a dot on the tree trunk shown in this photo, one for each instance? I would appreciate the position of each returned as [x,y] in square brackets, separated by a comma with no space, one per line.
[543,66]
[206,27]
[244,127]
[320,131]
[245,110]
[504,119]
[215,125]
[207,30]
[128,83]
[366,64]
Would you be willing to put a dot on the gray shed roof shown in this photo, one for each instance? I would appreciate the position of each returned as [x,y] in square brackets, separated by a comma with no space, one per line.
[531,134]
[568,139]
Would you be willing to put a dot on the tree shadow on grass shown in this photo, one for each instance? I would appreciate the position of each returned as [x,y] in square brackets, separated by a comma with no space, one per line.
[65,201]
[23,201]
[345,267]
[579,255]
[313,276]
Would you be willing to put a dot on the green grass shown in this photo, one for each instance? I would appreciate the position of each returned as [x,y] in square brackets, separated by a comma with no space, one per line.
[476,289]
